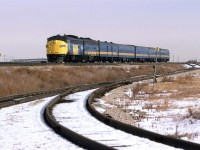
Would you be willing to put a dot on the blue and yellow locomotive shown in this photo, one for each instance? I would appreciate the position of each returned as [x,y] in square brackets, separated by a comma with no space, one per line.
[70,48]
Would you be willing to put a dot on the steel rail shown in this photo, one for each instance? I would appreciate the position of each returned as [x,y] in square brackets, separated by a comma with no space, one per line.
[90,144]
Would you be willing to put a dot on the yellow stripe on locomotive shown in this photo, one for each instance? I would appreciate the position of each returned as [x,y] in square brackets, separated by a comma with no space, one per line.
[75,49]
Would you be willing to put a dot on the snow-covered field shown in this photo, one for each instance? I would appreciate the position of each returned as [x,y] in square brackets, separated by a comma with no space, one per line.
[179,118]
[74,116]
[22,128]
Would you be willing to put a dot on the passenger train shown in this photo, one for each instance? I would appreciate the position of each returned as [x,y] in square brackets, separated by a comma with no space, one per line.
[70,48]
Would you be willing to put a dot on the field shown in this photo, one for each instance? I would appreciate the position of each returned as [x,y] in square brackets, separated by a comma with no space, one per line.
[170,107]
[15,80]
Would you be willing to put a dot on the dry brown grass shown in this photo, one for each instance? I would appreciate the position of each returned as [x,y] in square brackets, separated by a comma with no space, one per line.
[157,105]
[167,79]
[178,88]
[14,80]
[165,106]
[183,135]
[193,113]
[168,68]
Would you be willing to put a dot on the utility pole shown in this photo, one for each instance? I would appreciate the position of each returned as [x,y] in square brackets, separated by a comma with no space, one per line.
[4,58]
[154,67]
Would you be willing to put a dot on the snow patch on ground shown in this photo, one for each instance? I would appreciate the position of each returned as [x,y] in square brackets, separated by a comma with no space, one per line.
[192,65]
[187,66]
[129,93]
[177,118]
[21,127]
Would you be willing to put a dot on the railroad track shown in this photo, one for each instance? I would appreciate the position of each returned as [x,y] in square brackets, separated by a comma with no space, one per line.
[18,99]
[85,139]
[77,119]
[3,64]
[26,97]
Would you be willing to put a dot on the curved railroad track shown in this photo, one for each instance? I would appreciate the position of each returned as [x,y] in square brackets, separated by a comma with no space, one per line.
[82,125]
[85,141]
[27,97]
[21,98]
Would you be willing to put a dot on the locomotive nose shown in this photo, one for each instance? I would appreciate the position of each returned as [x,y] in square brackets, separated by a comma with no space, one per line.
[56,50]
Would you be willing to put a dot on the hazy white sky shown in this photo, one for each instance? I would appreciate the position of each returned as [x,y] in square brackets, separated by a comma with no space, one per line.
[172,24]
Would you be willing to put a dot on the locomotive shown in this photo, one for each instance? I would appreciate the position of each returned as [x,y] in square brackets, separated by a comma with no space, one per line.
[70,48]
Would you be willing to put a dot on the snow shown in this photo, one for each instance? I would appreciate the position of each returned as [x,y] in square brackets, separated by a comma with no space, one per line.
[196,66]
[129,93]
[22,127]
[99,109]
[75,117]
[187,66]
[191,65]
[175,120]
[102,102]
[180,118]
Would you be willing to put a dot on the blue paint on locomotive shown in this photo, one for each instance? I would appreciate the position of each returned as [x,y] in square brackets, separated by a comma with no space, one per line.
[126,51]
[91,48]
[142,52]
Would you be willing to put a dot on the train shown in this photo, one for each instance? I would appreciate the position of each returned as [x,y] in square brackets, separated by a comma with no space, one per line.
[71,48]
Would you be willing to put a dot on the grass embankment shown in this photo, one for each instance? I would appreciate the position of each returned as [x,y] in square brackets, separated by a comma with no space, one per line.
[170,88]
[15,80]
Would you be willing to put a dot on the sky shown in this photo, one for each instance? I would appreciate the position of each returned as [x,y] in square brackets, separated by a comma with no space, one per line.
[25,25]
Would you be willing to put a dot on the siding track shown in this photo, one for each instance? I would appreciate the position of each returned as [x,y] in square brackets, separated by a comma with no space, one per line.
[88,140]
